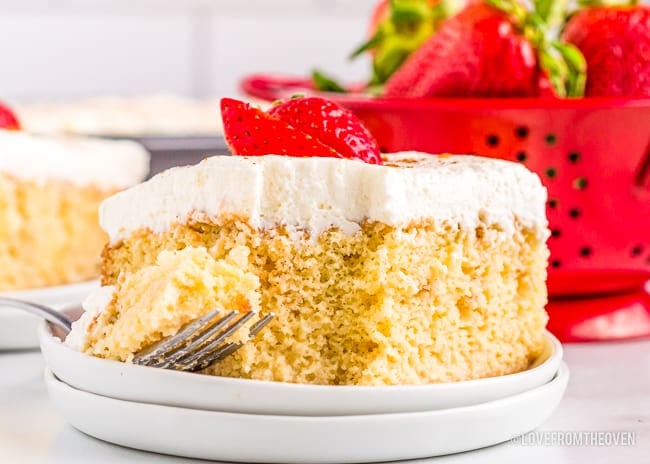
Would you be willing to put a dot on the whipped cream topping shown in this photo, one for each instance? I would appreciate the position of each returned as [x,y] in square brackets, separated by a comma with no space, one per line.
[80,160]
[93,305]
[315,194]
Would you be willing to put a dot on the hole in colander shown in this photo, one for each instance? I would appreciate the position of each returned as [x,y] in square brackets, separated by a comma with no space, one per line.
[553,202]
[637,250]
[521,156]
[383,149]
[580,183]
[556,263]
[551,173]
[575,213]
[585,252]
[551,139]
[574,157]
[555,233]
[492,140]
[522,132]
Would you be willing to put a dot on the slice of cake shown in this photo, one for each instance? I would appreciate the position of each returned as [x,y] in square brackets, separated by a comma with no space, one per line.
[403,269]
[50,191]
[425,269]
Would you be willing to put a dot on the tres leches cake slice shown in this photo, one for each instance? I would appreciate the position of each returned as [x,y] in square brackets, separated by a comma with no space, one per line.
[50,191]
[404,269]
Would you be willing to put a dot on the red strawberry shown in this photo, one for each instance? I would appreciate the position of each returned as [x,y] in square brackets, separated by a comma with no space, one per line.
[397,29]
[615,41]
[8,119]
[298,127]
[483,51]
[419,10]
[326,121]
[250,131]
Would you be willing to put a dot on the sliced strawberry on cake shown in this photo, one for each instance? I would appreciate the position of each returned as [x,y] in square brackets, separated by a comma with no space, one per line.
[249,131]
[332,125]
[298,127]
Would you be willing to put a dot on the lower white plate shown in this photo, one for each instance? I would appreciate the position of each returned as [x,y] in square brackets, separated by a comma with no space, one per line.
[292,439]
[159,386]
[18,330]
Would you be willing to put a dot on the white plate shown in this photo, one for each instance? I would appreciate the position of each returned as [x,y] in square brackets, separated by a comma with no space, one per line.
[158,386]
[258,438]
[18,330]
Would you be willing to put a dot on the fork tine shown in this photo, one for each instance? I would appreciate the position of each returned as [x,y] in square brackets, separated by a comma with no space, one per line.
[182,338]
[190,362]
[217,355]
[226,350]
[259,325]
[194,343]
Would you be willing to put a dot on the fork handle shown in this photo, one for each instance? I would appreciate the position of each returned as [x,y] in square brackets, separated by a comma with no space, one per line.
[36,309]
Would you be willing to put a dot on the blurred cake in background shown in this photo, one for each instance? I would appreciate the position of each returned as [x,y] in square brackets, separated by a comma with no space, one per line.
[50,191]
[155,115]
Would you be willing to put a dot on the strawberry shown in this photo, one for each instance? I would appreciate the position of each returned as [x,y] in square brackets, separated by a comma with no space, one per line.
[493,48]
[250,131]
[298,127]
[326,121]
[615,41]
[397,29]
[8,119]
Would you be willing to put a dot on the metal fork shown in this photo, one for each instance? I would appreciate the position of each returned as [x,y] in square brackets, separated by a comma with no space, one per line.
[200,343]
[196,346]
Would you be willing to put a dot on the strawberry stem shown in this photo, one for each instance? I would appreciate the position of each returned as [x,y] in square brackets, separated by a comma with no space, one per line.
[576,68]
[596,3]
[325,83]
[404,18]
[552,12]
[405,12]
[405,27]
[562,63]
[368,45]
[517,12]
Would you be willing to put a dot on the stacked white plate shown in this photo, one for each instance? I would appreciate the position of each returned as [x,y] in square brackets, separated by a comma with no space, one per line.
[197,416]
[18,329]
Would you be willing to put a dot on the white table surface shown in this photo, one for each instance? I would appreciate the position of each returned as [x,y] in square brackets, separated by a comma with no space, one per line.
[609,391]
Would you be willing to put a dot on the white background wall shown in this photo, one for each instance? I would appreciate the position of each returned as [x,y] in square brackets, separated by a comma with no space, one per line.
[76,48]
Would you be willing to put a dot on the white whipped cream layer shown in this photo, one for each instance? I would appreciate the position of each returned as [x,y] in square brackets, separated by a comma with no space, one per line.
[94,305]
[315,194]
[80,160]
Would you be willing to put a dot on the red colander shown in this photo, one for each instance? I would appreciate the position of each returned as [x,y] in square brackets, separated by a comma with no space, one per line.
[593,155]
